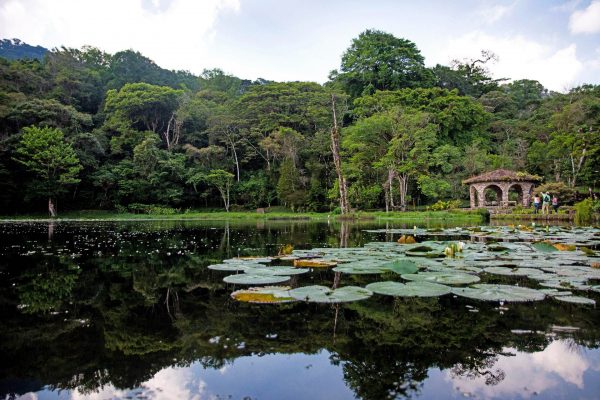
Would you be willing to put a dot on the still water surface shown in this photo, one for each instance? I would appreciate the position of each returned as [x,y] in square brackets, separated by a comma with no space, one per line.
[129,310]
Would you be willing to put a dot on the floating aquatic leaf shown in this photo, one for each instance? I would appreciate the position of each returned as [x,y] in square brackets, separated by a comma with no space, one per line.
[555,292]
[322,294]
[254,279]
[410,289]
[313,263]
[267,294]
[255,260]
[448,278]
[576,300]
[404,239]
[544,247]
[275,270]
[564,247]
[488,292]
[231,267]
[403,266]
[360,269]
[513,271]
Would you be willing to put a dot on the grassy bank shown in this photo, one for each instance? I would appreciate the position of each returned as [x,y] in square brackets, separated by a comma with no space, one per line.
[98,215]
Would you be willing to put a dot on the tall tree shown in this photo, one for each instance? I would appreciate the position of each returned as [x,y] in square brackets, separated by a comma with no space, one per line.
[54,163]
[378,60]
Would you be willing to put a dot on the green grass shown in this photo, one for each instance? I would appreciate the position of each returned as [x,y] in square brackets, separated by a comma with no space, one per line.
[455,215]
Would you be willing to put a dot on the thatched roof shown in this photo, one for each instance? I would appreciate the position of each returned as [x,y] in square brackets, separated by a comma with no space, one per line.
[502,175]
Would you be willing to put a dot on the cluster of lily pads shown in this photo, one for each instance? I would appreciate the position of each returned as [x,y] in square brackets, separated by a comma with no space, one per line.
[560,263]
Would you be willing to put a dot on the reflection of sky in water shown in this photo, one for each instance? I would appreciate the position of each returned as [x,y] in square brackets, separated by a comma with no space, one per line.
[562,371]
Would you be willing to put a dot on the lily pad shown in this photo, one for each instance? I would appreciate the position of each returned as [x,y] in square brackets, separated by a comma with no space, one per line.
[255,279]
[264,295]
[544,247]
[322,294]
[360,269]
[402,267]
[576,300]
[231,267]
[314,263]
[508,293]
[410,289]
[276,270]
[447,278]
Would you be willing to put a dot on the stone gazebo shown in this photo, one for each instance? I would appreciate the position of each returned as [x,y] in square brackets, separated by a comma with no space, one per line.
[501,181]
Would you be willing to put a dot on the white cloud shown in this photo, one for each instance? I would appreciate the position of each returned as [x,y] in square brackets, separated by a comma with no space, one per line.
[496,12]
[586,21]
[530,373]
[172,383]
[519,58]
[173,33]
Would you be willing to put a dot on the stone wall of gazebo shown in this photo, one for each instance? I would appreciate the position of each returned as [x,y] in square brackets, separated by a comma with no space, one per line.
[501,181]
[477,192]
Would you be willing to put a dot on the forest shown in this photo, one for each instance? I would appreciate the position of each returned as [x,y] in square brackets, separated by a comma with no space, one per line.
[83,129]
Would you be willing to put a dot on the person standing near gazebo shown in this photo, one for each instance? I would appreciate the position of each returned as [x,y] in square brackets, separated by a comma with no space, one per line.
[536,203]
[546,203]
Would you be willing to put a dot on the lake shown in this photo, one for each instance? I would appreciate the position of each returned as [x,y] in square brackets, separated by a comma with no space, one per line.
[129,310]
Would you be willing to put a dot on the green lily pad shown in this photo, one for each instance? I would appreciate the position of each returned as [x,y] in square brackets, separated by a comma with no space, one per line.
[544,247]
[487,292]
[231,267]
[360,268]
[255,279]
[402,267]
[276,270]
[410,289]
[555,292]
[322,294]
[447,278]
[576,300]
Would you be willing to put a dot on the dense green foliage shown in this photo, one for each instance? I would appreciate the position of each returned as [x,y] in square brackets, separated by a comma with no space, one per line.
[410,135]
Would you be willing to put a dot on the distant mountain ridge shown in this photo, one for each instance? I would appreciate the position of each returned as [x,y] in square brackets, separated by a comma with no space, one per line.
[15,49]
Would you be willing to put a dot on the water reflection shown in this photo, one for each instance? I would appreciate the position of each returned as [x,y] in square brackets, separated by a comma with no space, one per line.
[561,370]
[117,310]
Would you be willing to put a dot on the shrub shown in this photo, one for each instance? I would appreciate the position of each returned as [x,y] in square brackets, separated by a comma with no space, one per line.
[138,208]
[565,194]
[445,205]
[583,211]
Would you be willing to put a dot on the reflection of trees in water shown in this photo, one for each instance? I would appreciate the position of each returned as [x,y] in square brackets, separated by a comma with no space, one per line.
[480,368]
[146,308]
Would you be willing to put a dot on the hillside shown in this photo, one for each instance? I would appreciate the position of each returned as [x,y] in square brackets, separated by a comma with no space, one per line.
[14,49]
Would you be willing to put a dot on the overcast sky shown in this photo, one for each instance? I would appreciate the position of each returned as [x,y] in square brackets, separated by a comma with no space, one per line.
[556,42]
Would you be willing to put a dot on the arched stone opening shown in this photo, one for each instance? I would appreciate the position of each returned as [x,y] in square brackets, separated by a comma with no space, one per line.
[515,195]
[492,195]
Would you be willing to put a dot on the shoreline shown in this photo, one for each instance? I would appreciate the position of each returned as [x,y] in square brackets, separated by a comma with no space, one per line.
[100,216]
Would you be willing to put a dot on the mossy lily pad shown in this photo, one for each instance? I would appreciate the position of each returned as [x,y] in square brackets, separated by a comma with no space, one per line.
[410,289]
[447,278]
[314,263]
[322,294]
[508,293]
[264,295]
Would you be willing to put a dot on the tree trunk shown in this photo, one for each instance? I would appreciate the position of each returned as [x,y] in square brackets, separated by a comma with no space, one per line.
[335,151]
[391,175]
[235,157]
[403,183]
[51,208]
